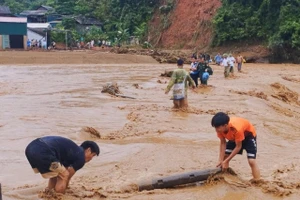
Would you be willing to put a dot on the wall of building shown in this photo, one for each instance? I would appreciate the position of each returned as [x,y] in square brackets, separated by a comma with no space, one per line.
[25,41]
[5,42]
[13,28]
[12,31]
[31,35]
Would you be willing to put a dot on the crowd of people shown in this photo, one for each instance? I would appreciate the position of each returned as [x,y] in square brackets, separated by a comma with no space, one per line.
[58,159]
[228,62]
[199,70]
[91,44]
[34,43]
[235,134]
[40,44]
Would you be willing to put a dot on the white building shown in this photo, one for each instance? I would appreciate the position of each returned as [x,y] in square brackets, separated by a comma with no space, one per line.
[38,31]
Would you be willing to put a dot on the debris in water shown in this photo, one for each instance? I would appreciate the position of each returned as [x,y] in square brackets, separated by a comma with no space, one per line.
[92,131]
[136,85]
[111,88]
[284,94]
[167,74]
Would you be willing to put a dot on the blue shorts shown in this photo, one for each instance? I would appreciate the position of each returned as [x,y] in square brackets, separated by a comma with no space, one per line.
[40,156]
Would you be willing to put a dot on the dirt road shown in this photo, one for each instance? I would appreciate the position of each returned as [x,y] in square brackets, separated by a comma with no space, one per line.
[143,138]
[69,57]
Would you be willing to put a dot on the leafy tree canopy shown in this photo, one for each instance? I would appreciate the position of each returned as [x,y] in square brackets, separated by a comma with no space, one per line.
[274,22]
[121,18]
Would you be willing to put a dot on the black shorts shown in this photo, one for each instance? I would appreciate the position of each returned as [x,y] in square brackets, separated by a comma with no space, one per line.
[40,156]
[249,144]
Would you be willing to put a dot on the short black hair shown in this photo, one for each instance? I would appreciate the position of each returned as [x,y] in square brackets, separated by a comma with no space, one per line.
[220,119]
[91,144]
[180,62]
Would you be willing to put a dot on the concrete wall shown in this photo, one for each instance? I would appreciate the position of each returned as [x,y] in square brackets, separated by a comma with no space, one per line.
[5,42]
[25,41]
[0,42]
[32,35]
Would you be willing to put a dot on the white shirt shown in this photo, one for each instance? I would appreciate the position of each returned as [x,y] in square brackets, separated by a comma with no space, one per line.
[194,66]
[225,62]
[231,61]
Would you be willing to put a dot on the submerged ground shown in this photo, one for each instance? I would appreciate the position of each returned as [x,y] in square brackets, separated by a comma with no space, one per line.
[144,137]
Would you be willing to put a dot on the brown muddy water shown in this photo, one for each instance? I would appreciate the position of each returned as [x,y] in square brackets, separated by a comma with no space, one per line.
[144,138]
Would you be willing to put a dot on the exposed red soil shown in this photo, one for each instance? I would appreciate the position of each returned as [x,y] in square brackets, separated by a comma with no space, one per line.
[191,25]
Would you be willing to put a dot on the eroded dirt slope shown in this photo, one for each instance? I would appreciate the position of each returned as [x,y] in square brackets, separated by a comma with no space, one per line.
[189,25]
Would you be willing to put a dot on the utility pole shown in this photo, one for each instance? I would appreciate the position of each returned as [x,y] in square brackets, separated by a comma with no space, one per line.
[66,40]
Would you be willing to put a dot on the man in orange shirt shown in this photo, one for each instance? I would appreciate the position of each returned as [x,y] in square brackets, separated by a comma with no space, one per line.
[241,135]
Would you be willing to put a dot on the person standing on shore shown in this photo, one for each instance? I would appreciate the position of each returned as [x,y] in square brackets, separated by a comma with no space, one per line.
[180,79]
[241,135]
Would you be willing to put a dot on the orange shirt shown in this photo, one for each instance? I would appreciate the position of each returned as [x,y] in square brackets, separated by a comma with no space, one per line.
[237,128]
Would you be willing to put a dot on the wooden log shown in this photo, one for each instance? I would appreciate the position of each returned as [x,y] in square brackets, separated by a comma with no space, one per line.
[179,179]
[124,96]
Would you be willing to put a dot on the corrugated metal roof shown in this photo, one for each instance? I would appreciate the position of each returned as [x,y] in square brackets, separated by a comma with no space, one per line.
[38,25]
[33,12]
[37,31]
[4,10]
[45,7]
[13,19]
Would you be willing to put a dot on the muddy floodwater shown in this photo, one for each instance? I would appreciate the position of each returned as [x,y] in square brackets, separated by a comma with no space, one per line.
[144,138]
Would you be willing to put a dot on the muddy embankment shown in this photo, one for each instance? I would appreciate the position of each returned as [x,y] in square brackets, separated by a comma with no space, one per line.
[252,54]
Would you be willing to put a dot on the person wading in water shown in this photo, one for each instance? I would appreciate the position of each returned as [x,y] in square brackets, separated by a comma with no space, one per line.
[180,79]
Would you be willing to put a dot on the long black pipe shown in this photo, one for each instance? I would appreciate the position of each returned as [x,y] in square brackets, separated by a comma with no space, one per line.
[178,179]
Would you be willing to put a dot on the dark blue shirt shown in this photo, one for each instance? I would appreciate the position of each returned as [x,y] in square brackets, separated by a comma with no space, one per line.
[67,152]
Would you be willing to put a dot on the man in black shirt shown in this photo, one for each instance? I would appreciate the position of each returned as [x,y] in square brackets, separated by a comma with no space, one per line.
[58,159]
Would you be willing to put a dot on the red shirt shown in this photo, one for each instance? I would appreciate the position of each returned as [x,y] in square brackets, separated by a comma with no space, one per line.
[238,127]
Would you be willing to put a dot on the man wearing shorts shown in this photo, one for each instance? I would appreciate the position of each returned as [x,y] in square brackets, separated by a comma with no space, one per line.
[58,159]
[241,135]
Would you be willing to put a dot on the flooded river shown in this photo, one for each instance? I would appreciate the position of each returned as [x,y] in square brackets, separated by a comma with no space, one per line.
[144,138]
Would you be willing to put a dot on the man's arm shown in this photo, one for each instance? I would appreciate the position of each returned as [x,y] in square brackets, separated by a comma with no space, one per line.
[238,146]
[222,149]
[71,173]
[171,83]
[63,180]
[190,80]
